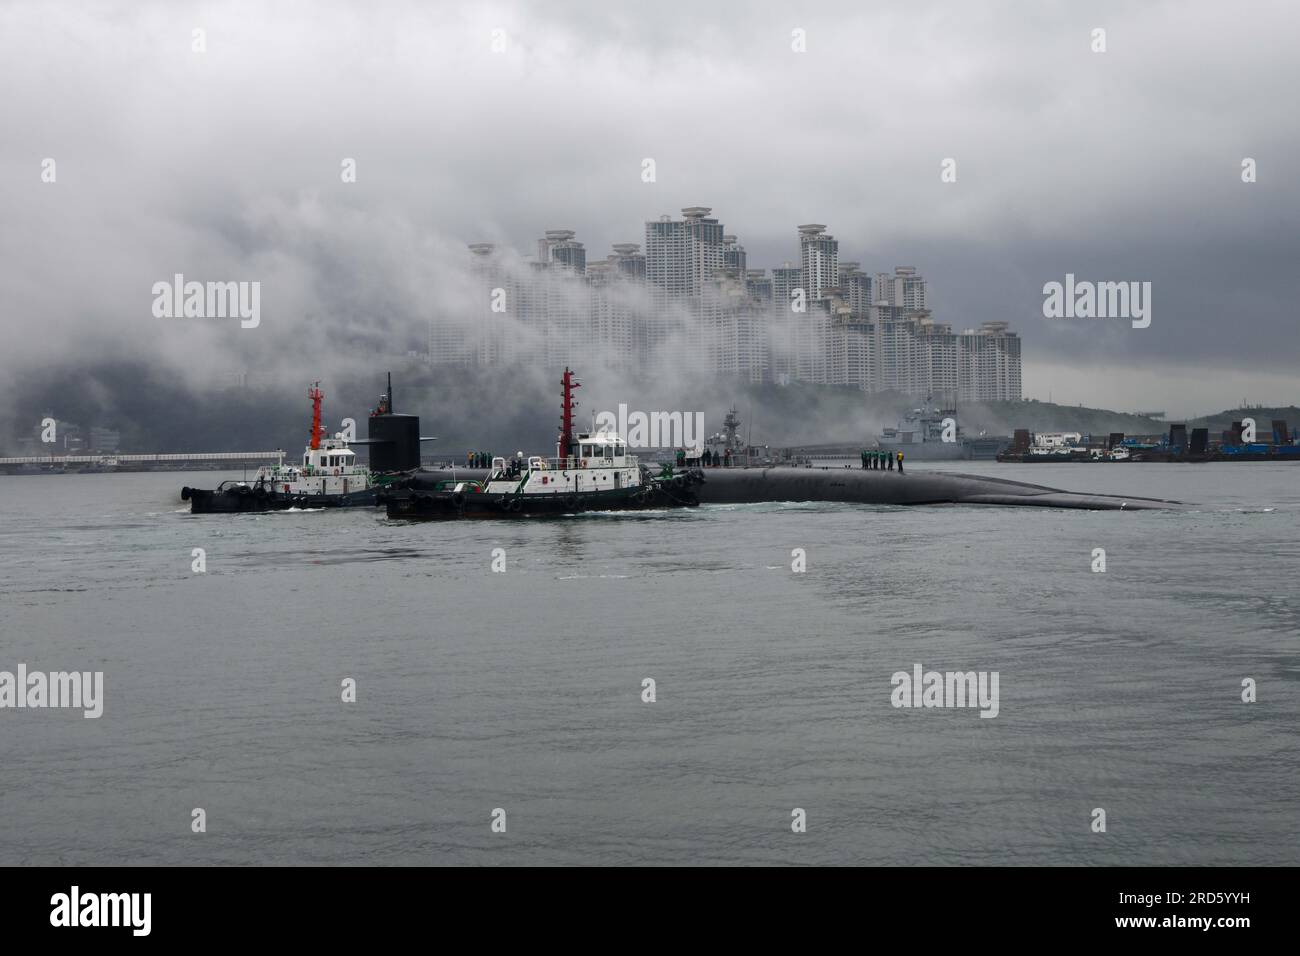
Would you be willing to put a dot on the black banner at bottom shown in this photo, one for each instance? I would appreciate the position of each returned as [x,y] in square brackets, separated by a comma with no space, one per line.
[1221,906]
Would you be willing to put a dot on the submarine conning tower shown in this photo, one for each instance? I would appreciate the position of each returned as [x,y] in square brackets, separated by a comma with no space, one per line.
[394,439]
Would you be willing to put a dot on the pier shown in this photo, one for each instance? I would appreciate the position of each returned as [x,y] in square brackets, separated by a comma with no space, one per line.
[109,461]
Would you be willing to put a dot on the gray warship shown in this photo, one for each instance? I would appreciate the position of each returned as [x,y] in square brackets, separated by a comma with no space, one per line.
[930,433]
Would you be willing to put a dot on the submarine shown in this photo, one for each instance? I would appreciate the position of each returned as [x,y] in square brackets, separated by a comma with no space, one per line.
[394,441]
[780,483]
[750,484]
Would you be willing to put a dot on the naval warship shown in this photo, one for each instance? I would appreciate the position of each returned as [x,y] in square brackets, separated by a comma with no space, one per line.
[930,433]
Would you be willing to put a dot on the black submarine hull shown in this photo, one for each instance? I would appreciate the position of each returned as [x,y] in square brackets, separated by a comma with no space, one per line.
[754,485]
[851,485]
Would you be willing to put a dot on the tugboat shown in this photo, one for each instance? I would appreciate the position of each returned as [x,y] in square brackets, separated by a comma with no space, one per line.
[329,476]
[591,471]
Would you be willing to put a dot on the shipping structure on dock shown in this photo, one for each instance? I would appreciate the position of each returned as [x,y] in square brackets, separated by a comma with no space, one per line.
[1178,445]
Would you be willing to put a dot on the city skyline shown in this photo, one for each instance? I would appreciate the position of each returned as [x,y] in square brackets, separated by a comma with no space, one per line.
[686,298]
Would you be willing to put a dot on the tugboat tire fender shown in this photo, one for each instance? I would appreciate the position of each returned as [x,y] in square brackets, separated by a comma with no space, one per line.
[185,493]
[515,504]
[458,500]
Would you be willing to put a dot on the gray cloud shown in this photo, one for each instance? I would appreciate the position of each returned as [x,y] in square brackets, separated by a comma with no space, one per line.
[225,165]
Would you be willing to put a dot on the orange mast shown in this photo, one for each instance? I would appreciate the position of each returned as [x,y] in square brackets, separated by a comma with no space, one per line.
[315,394]
[564,447]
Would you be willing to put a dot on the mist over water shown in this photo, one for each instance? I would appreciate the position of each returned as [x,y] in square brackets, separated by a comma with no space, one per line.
[522,690]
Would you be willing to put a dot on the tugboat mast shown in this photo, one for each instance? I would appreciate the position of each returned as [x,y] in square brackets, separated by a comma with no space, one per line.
[564,447]
[315,394]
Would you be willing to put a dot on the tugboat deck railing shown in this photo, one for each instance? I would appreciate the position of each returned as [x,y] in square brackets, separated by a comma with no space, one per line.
[576,464]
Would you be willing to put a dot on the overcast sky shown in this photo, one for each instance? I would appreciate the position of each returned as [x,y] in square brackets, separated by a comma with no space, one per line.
[1123,165]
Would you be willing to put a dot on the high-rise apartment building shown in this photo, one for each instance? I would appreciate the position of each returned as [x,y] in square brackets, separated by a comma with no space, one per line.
[759,285]
[905,288]
[785,279]
[682,258]
[558,247]
[733,256]
[989,364]
[629,261]
[683,255]
[819,261]
[852,349]
[855,287]
[690,300]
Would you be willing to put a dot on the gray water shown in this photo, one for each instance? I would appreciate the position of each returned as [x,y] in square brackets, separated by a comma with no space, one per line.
[522,690]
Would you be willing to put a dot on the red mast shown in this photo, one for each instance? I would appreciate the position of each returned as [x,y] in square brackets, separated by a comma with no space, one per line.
[567,407]
[315,394]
